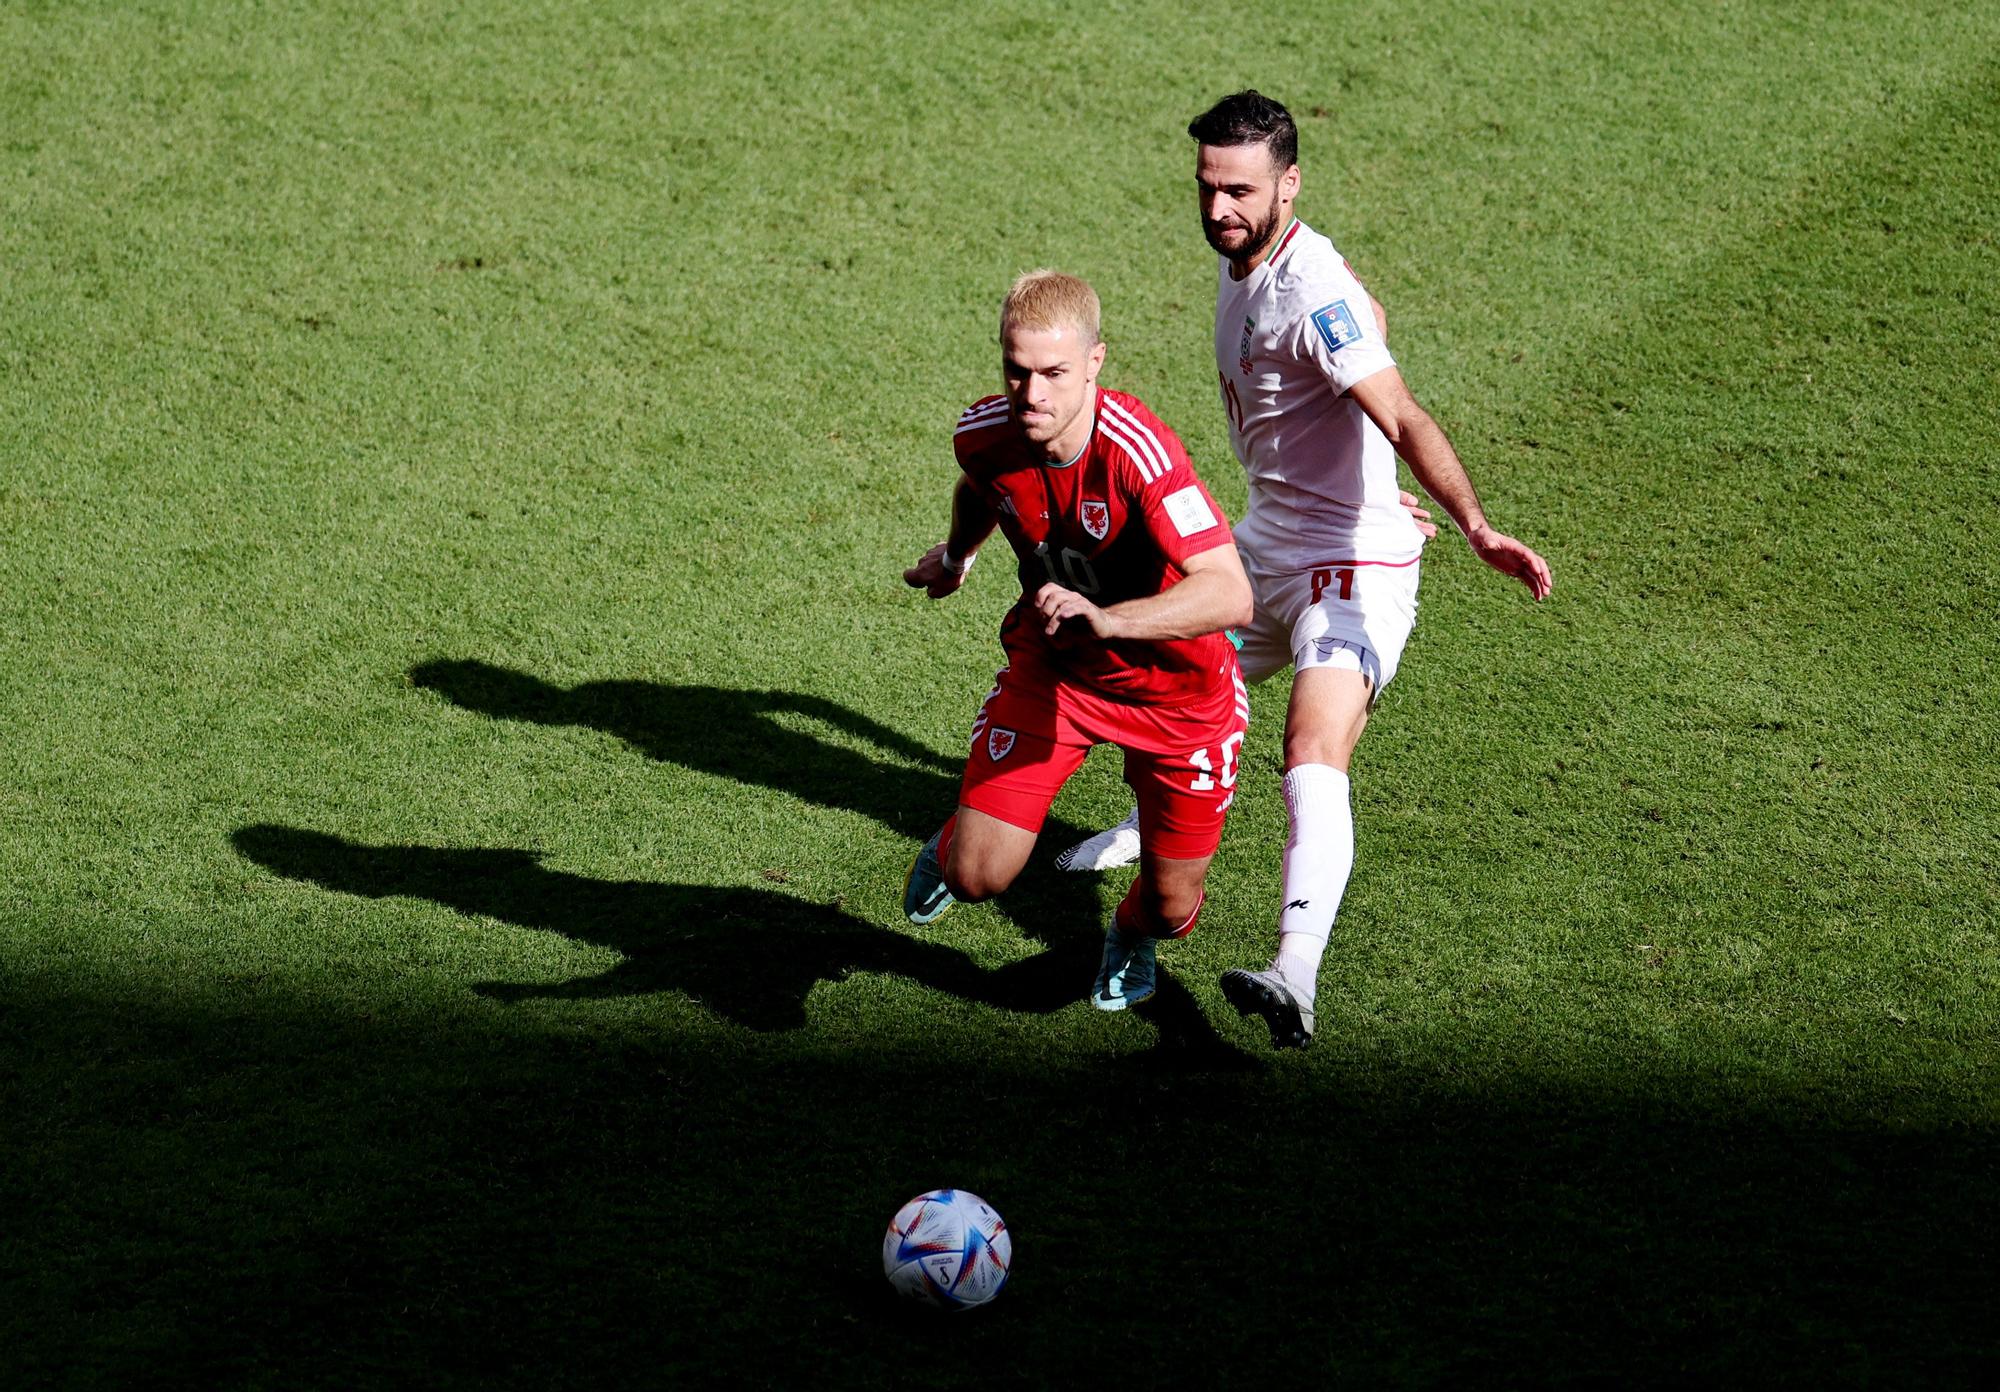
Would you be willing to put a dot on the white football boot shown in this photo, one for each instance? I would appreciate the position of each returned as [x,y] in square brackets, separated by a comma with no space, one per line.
[1265,993]
[1105,851]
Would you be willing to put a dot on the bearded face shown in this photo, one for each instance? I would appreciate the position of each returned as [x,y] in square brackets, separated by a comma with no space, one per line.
[1245,201]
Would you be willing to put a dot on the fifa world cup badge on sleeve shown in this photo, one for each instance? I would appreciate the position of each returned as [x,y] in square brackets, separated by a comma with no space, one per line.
[1189,511]
[1336,325]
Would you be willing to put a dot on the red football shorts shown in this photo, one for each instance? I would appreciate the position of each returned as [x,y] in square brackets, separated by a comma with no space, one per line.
[1180,760]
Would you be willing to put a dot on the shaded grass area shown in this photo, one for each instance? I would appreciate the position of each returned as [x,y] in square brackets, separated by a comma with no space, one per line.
[464,735]
[452,1201]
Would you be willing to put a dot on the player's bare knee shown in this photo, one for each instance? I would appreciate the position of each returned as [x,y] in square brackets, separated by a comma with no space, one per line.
[1330,744]
[1316,749]
[975,884]
[964,888]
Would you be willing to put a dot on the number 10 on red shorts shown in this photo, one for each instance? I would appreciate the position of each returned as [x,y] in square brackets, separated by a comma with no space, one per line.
[1181,760]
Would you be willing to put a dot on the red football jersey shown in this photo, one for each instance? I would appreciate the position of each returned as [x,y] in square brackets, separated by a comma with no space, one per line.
[1115,524]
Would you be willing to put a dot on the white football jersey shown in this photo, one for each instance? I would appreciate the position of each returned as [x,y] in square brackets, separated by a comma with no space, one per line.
[1290,339]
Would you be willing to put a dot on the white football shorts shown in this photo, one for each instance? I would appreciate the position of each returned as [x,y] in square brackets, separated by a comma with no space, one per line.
[1356,617]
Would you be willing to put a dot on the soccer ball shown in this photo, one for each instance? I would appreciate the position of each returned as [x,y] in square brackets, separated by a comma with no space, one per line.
[949,1248]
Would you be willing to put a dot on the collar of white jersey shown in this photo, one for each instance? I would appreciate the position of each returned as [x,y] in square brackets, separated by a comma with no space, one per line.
[1278,250]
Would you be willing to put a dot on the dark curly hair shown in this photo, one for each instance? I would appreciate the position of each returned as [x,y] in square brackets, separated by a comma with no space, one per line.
[1250,118]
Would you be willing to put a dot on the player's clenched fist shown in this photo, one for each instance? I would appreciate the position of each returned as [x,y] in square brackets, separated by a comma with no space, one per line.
[1057,605]
[939,573]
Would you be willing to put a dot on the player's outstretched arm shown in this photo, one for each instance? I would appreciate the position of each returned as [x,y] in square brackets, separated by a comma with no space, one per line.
[1212,594]
[1422,444]
[943,568]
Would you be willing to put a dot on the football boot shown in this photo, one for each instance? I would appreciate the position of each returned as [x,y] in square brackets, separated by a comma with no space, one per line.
[1125,976]
[924,894]
[1264,993]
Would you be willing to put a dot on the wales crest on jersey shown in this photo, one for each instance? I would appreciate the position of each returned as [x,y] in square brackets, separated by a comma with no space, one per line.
[1096,518]
[999,743]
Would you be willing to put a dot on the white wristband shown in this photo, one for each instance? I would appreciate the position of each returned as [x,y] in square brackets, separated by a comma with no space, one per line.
[954,564]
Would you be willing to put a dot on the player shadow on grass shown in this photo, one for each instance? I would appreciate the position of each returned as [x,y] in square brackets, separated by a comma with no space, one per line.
[750,955]
[729,732]
[740,734]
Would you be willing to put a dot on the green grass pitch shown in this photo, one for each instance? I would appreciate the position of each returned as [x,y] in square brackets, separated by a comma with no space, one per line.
[462,732]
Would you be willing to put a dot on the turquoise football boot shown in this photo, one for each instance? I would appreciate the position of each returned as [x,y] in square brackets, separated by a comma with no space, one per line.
[924,894]
[1126,975]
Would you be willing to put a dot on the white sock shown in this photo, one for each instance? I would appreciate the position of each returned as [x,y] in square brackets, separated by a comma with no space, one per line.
[1319,853]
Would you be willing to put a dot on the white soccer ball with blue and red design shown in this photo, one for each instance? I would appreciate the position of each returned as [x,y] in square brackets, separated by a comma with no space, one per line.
[949,1248]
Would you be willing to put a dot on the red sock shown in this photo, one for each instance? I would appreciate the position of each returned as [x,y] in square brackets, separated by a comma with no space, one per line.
[949,830]
[1127,916]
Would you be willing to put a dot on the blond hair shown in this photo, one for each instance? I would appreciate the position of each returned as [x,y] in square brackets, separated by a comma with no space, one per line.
[1046,299]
